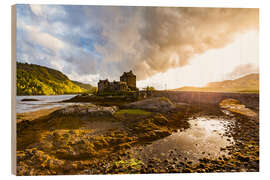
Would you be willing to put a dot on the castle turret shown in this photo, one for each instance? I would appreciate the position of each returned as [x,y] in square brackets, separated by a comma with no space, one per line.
[130,79]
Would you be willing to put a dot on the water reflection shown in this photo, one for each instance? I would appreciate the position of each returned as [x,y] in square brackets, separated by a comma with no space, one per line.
[205,137]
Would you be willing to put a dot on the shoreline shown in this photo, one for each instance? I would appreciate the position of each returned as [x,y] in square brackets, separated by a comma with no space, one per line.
[32,115]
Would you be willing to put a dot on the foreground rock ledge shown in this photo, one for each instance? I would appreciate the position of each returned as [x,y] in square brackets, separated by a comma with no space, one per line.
[90,110]
[235,106]
[157,104]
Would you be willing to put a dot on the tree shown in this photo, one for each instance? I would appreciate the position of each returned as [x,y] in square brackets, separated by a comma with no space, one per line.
[149,88]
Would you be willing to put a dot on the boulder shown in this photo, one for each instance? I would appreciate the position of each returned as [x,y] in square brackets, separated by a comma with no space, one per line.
[235,106]
[90,110]
[29,99]
[157,104]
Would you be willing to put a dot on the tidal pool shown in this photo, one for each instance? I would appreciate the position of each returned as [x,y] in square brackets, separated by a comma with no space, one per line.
[205,138]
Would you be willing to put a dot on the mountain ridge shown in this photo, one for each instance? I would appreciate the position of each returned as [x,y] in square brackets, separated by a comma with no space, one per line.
[247,83]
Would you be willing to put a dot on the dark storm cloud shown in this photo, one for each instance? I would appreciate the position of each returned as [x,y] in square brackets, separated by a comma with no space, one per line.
[154,40]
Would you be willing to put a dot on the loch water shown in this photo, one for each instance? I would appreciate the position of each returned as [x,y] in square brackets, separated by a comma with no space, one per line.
[43,102]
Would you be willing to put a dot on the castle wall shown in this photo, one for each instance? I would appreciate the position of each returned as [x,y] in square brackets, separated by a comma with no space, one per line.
[127,81]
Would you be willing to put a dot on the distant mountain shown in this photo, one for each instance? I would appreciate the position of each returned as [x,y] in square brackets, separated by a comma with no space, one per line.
[248,83]
[88,87]
[39,80]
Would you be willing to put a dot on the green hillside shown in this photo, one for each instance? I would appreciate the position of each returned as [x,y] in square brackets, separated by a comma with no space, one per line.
[39,80]
[88,87]
[248,83]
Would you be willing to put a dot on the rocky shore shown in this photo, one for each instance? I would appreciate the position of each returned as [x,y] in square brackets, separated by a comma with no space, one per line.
[94,139]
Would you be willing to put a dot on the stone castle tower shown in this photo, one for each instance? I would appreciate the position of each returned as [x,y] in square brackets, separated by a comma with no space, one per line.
[130,79]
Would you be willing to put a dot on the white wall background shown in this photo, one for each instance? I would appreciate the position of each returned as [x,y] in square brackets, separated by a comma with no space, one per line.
[5,70]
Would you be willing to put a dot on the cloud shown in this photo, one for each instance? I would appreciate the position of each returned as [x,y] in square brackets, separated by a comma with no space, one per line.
[44,39]
[153,40]
[36,9]
[46,11]
[45,42]
[242,70]
[104,41]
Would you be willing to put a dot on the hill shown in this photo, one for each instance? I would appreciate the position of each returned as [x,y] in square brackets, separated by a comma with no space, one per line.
[88,87]
[39,80]
[248,83]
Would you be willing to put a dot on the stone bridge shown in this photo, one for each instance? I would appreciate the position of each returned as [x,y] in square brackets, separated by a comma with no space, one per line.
[251,100]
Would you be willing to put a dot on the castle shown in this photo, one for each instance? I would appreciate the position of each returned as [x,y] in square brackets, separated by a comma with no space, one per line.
[127,83]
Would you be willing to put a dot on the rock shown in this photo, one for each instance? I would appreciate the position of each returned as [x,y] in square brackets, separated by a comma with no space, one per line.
[36,162]
[157,104]
[201,165]
[29,99]
[166,161]
[154,135]
[243,158]
[187,170]
[89,110]
[243,170]
[235,106]
[159,119]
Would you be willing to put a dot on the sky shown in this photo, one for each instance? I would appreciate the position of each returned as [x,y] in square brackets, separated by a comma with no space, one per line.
[165,47]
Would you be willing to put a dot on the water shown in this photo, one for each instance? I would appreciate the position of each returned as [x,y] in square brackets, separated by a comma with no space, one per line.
[44,102]
[204,138]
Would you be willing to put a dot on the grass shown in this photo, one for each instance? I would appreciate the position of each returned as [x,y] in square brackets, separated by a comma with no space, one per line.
[132,112]
[133,163]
